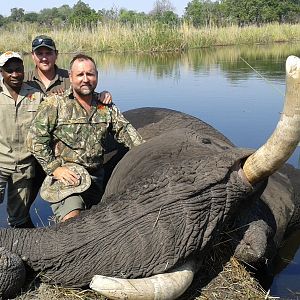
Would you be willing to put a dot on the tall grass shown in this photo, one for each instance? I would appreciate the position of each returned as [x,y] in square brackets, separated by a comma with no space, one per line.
[147,37]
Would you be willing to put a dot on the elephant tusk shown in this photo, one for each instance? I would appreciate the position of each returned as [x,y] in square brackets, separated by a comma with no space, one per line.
[166,286]
[285,138]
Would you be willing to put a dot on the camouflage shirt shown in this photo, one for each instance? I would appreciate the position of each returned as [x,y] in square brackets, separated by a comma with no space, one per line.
[15,118]
[63,131]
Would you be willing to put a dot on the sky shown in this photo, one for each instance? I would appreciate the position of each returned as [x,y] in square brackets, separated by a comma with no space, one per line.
[137,5]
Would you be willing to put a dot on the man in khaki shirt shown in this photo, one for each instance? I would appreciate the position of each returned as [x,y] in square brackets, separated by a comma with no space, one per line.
[18,106]
[50,79]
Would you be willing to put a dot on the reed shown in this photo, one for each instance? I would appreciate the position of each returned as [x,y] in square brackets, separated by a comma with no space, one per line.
[146,37]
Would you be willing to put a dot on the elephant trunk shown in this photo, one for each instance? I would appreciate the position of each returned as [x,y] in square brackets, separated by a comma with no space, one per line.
[284,140]
[165,286]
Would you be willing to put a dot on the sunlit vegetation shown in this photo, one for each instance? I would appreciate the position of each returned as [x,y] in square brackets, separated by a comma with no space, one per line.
[147,37]
[205,23]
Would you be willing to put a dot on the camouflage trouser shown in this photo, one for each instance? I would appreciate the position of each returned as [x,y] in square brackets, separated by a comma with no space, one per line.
[18,185]
[85,200]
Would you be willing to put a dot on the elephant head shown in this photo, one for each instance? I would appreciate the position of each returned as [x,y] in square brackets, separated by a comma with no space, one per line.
[165,204]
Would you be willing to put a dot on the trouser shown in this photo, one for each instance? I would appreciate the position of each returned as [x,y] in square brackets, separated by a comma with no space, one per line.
[85,200]
[18,185]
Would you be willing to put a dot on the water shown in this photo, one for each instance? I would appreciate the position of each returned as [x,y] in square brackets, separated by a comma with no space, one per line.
[217,86]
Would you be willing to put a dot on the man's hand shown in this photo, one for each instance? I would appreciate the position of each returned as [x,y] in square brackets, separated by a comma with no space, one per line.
[105,97]
[66,176]
[59,91]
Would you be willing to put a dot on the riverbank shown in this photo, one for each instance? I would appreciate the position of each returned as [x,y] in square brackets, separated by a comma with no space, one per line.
[151,37]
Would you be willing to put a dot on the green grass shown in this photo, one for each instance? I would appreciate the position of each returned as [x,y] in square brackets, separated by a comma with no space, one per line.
[148,37]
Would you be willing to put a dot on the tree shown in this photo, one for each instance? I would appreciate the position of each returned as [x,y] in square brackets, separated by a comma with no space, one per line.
[82,14]
[202,12]
[109,14]
[3,20]
[163,12]
[17,14]
[31,17]
[131,17]
[244,12]
[162,6]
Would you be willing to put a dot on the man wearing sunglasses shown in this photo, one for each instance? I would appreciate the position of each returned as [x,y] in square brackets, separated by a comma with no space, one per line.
[47,76]
[18,106]
[50,79]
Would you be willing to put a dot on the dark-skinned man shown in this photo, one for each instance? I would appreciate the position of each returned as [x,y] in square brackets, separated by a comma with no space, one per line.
[19,102]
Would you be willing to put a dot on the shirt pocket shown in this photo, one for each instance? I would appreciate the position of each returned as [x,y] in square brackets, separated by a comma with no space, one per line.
[26,115]
[73,133]
[32,107]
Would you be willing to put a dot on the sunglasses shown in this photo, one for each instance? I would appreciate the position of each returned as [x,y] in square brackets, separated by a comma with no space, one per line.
[43,41]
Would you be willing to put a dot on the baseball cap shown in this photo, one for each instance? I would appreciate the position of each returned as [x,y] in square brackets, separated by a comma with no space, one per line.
[4,57]
[43,41]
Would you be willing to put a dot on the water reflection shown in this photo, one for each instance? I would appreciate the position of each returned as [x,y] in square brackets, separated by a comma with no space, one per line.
[214,84]
[199,60]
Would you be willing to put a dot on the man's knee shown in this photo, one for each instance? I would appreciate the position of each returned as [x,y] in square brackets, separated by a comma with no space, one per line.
[71,214]
[69,207]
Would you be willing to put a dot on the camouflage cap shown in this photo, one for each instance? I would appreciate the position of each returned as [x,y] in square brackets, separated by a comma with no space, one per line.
[53,190]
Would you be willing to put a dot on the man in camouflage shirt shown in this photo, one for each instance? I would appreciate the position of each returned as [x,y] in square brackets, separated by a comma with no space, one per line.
[19,103]
[72,129]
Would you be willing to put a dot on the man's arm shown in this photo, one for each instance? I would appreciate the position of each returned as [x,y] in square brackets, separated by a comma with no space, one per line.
[124,132]
[40,137]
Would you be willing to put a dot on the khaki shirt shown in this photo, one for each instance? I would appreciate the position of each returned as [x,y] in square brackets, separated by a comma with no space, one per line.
[61,80]
[63,131]
[15,120]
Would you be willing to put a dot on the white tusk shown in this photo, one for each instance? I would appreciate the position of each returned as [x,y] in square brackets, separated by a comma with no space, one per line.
[285,138]
[292,66]
[166,286]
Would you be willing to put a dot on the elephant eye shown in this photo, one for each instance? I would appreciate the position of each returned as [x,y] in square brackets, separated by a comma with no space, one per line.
[206,141]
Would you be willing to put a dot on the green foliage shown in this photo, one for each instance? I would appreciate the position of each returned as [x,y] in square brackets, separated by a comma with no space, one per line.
[167,17]
[162,6]
[198,13]
[246,12]
[17,14]
[203,13]
[31,17]
[82,14]
[163,12]
[3,20]
[132,17]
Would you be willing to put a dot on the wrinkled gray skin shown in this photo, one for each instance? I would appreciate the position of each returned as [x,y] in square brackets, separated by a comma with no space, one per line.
[166,201]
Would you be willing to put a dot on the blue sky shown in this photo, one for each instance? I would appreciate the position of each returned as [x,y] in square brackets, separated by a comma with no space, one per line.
[137,5]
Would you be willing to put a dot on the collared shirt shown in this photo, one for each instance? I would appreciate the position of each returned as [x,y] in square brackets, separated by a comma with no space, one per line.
[15,119]
[61,80]
[63,131]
